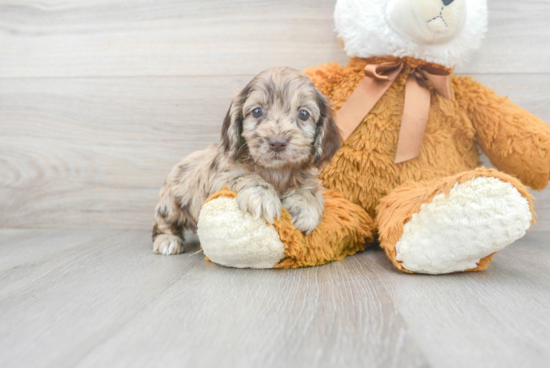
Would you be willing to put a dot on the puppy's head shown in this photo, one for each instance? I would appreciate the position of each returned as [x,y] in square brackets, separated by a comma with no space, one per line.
[281,121]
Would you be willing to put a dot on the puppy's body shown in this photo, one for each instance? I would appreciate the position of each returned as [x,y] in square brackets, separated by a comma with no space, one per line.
[277,133]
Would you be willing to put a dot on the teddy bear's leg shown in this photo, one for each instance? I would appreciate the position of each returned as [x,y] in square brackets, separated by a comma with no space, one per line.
[453,224]
[233,238]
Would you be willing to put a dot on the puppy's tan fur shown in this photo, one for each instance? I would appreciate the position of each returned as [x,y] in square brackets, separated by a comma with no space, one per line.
[244,161]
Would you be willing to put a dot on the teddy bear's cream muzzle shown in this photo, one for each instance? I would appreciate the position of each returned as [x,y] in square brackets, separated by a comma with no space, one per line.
[427,22]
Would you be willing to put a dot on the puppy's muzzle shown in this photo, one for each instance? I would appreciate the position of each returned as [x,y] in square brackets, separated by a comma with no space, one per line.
[277,144]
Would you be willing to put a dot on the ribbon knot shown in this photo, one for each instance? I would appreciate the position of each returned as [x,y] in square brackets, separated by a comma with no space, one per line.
[378,79]
[421,79]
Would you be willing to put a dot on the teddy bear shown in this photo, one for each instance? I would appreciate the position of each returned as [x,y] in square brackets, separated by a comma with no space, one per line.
[413,132]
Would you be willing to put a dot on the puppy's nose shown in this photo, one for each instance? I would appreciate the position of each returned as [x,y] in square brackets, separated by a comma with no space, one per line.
[277,144]
[447,2]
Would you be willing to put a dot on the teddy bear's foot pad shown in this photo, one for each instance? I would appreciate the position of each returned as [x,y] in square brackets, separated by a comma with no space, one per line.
[235,239]
[453,233]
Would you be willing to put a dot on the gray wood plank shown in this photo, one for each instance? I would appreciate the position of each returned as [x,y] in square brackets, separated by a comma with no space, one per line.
[58,38]
[80,297]
[20,245]
[321,317]
[160,38]
[93,152]
[495,318]
[110,302]
[114,303]
[518,34]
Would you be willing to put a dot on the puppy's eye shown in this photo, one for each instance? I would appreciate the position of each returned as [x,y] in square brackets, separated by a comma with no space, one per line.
[303,115]
[257,113]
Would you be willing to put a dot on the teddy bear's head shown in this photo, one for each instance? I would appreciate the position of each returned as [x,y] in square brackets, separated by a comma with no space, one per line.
[439,31]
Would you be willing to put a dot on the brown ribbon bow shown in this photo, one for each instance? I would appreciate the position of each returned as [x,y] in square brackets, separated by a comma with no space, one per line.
[378,80]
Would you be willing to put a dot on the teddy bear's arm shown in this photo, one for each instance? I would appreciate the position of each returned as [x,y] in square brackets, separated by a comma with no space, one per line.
[515,141]
[326,77]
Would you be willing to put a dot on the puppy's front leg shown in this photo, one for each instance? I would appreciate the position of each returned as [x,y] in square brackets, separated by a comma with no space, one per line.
[168,226]
[306,208]
[257,197]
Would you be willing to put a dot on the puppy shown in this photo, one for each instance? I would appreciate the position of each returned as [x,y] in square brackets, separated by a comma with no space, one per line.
[278,132]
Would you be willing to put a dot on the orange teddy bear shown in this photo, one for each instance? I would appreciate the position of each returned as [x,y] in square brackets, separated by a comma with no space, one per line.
[417,172]
[410,156]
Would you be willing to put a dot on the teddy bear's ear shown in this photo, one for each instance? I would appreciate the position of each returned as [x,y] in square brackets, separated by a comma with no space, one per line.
[232,127]
[327,137]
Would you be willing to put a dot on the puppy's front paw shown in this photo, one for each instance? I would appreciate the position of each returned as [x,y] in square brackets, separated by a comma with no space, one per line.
[168,244]
[304,220]
[260,200]
[306,209]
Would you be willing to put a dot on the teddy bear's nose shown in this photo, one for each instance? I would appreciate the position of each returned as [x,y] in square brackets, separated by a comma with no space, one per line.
[447,2]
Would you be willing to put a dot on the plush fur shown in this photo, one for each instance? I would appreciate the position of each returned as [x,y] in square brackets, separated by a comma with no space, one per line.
[453,224]
[364,170]
[232,238]
[364,28]
[475,119]
[453,232]
[514,140]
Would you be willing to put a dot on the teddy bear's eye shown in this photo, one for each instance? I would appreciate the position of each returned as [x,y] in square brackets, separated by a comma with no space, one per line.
[303,115]
[257,113]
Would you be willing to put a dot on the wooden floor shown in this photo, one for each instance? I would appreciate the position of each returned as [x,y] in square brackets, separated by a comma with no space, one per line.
[100,298]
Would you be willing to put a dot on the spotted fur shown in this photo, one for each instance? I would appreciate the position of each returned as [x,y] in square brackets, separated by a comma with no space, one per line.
[243,161]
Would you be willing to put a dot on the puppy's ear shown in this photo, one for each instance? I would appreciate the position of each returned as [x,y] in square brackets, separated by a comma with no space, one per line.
[232,128]
[327,137]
